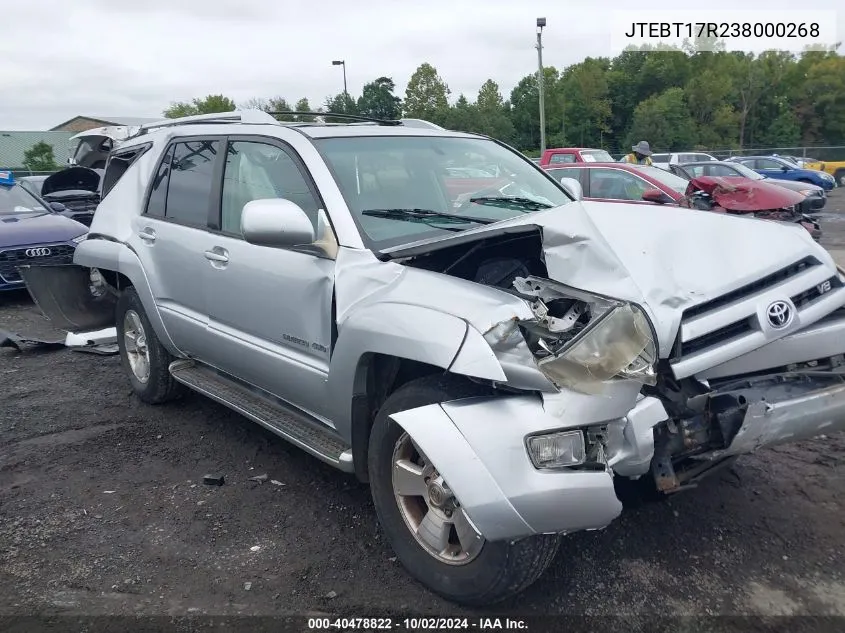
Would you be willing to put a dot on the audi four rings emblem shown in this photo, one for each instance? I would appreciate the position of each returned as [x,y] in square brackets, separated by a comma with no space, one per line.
[37,252]
[779,314]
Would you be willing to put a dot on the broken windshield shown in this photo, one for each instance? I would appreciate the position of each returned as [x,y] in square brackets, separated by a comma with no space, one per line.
[445,175]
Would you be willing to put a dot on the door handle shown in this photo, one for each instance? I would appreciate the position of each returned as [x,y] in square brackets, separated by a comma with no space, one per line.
[217,256]
[147,234]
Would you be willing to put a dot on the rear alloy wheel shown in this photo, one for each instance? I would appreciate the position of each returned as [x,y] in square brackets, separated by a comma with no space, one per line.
[423,520]
[144,358]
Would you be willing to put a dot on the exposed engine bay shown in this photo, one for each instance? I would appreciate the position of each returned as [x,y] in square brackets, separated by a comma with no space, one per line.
[703,432]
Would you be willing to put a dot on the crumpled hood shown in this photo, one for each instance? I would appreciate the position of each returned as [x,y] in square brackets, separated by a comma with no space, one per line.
[72,178]
[744,194]
[663,258]
[28,229]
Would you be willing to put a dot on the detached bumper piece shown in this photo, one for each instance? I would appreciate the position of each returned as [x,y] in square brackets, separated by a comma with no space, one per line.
[69,297]
[743,416]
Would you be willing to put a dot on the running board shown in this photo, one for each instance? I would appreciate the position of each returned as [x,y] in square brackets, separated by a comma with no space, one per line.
[284,421]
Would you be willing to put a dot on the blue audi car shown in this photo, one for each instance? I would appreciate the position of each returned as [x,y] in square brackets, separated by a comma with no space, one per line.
[31,233]
[783,169]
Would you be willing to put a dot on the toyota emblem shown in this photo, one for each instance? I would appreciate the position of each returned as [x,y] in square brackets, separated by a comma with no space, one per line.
[779,314]
[37,252]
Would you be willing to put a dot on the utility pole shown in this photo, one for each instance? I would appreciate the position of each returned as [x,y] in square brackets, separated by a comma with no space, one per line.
[342,62]
[541,22]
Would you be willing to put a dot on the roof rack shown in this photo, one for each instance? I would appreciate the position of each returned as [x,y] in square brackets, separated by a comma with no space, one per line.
[236,116]
[339,115]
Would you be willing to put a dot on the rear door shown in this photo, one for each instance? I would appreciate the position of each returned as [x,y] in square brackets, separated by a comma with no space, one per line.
[771,168]
[171,236]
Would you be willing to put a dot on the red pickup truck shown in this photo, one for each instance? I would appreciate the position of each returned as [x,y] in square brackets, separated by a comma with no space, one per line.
[563,155]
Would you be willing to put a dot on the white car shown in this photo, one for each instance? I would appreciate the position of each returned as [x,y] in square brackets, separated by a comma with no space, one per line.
[664,160]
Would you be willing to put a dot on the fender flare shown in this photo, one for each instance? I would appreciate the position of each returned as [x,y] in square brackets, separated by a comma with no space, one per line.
[436,338]
[106,254]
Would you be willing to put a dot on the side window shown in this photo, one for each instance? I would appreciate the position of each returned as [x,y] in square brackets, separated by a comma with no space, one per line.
[158,195]
[767,163]
[117,165]
[721,170]
[660,158]
[572,172]
[191,182]
[615,184]
[256,171]
[562,158]
[698,170]
[686,158]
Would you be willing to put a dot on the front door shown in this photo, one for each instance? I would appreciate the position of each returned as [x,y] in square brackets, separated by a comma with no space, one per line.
[172,234]
[270,309]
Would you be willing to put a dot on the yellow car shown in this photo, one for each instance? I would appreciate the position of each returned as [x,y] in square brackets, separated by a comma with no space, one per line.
[835,168]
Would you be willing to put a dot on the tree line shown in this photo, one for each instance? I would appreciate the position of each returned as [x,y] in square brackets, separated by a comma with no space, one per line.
[676,98]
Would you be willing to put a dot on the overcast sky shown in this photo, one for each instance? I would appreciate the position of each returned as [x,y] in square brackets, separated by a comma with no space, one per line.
[133,57]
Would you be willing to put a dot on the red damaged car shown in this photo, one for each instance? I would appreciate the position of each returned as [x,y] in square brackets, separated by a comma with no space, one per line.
[641,184]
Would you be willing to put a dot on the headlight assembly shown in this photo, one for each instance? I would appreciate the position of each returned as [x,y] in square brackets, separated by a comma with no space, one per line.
[80,239]
[580,340]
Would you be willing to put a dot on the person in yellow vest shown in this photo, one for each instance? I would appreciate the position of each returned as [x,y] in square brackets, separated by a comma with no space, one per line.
[640,155]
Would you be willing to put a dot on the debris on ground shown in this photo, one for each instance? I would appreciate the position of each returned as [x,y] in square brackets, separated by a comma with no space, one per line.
[10,339]
[259,478]
[331,595]
[247,586]
[254,548]
[276,483]
[213,480]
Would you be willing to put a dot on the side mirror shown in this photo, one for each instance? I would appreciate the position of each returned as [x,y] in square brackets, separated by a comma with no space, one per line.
[276,222]
[58,207]
[784,168]
[573,186]
[655,195]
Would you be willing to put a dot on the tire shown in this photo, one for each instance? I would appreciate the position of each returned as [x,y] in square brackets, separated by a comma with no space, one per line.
[158,386]
[839,176]
[499,569]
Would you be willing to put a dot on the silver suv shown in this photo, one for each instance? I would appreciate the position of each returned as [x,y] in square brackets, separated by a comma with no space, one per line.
[432,312]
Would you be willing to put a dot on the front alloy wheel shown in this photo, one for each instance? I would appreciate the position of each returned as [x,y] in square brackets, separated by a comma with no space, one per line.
[429,508]
[423,519]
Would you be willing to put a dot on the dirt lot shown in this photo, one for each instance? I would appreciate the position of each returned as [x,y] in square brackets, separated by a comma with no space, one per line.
[103,511]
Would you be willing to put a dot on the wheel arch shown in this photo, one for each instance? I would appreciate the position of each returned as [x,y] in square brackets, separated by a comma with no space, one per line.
[383,346]
[121,268]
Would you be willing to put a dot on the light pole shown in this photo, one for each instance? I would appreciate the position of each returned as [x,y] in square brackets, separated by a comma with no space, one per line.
[341,62]
[541,22]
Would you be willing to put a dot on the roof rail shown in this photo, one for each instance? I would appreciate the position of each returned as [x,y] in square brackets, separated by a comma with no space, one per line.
[339,115]
[421,123]
[236,116]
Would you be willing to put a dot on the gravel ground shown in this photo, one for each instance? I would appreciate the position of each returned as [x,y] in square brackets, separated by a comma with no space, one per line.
[103,511]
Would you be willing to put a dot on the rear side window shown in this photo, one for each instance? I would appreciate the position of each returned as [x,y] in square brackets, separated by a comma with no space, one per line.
[117,165]
[660,158]
[572,172]
[562,158]
[191,181]
[158,195]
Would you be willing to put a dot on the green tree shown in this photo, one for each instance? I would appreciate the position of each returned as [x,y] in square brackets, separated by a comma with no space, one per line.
[207,105]
[463,116]
[492,113]
[427,96]
[378,101]
[303,106]
[825,92]
[342,104]
[586,100]
[664,121]
[709,96]
[40,157]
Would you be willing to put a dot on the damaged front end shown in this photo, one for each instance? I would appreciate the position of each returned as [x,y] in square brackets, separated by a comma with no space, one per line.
[751,198]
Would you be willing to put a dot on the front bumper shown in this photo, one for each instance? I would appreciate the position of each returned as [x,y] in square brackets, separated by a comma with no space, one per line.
[479,447]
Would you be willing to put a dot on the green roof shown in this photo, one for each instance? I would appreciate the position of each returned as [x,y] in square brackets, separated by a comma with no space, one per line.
[13,146]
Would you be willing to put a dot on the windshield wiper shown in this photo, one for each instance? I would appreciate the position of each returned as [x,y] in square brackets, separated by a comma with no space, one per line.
[426,216]
[508,202]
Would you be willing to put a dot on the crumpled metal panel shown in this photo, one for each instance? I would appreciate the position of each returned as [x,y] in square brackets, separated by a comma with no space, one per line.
[744,194]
